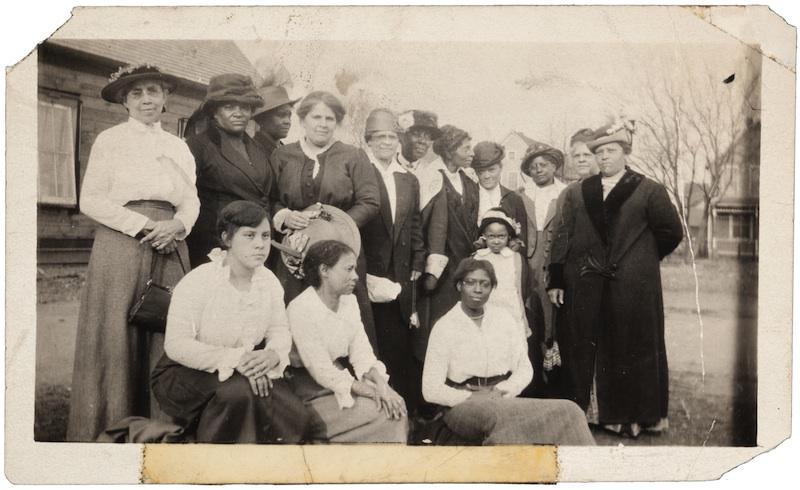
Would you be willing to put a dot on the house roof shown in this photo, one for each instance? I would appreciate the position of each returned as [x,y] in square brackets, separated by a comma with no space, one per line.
[192,60]
[528,141]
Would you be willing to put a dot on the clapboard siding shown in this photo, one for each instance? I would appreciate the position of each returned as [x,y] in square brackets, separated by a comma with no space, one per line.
[84,75]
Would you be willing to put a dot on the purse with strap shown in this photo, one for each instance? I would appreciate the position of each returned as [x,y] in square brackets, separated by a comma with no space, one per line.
[150,312]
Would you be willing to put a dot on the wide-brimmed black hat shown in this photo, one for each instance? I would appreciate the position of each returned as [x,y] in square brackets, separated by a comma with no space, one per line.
[416,119]
[123,78]
[274,97]
[231,87]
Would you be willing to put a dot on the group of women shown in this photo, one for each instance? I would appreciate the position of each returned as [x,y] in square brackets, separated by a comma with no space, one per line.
[388,319]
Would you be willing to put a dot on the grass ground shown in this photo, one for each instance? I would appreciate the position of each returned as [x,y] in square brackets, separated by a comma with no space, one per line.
[712,388]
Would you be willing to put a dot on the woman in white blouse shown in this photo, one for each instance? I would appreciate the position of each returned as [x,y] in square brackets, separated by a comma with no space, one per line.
[227,342]
[476,366]
[139,187]
[336,372]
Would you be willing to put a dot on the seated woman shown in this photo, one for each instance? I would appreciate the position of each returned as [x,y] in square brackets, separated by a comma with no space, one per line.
[227,342]
[341,381]
[476,366]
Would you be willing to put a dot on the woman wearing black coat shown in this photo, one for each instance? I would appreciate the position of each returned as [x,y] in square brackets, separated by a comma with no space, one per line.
[231,166]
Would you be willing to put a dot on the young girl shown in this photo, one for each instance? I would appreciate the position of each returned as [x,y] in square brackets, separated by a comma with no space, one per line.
[497,230]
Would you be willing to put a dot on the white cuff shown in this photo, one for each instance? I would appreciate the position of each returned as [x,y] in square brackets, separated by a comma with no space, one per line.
[134,223]
[435,264]
[229,362]
[277,371]
[187,228]
[344,398]
[381,289]
[279,218]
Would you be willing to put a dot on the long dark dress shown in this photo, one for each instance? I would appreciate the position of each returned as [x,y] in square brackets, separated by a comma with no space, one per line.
[610,328]
[346,180]
[452,231]
[394,248]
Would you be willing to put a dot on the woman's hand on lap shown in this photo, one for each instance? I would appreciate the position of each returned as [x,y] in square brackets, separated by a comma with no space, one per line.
[257,363]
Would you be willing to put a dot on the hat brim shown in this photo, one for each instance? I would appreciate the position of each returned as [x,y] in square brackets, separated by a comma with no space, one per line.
[621,137]
[274,105]
[111,92]
[436,133]
[339,227]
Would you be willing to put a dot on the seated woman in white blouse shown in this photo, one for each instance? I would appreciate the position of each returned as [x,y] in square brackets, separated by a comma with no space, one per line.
[228,341]
[476,366]
[337,374]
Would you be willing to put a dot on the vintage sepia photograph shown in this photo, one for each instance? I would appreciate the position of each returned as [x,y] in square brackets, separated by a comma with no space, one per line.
[392,239]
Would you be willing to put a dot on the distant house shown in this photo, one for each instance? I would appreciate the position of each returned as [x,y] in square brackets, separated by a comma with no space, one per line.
[734,225]
[732,228]
[71,114]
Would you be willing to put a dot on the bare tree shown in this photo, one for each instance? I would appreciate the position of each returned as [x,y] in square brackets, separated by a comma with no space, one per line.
[717,117]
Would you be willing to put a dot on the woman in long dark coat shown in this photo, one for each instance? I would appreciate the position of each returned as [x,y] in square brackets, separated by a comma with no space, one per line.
[321,169]
[451,229]
[231,166]
[606,283]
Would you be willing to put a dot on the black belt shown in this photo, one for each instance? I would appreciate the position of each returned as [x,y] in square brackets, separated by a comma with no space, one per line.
[478,381]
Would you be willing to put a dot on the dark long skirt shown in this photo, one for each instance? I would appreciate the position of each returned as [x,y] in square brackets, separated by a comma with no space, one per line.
[396,350]
[292,287]
[113,359]
[228,411]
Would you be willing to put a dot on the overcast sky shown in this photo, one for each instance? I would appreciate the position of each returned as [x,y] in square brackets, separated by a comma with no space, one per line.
[489,89]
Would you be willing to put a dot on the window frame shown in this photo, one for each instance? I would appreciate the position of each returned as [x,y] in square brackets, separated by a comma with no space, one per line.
[45,94]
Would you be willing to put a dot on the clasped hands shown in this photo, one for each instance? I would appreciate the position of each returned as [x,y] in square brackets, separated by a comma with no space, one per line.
[162,235]
[255,365]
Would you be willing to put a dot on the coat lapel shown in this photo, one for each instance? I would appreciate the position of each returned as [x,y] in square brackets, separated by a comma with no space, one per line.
[470,200]
[592,190]
[403,188]
[621,192]
[238,161]
[385,207]
[453,200]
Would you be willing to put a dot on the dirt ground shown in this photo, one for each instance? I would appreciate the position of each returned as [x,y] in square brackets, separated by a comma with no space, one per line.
[715,409]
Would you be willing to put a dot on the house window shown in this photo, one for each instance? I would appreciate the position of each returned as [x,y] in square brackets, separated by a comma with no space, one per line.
[722,225]
[58,142]
[512,155]
[740,226]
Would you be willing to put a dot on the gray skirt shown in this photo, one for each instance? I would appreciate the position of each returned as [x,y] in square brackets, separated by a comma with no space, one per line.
[113,360]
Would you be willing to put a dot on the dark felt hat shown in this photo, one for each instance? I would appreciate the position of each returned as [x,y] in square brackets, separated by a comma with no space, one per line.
[274,97]
[232,87]
[538,150]
[486,154]
[417,119]
[123,78]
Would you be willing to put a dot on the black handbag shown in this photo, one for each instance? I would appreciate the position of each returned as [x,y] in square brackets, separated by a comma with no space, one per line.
[150,312]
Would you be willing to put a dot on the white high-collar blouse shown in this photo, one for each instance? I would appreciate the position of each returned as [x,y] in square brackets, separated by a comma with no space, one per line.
[211,324]
[321,336]
[134,161]
[459,349]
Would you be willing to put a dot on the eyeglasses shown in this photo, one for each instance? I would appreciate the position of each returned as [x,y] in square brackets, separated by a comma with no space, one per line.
[477,282]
